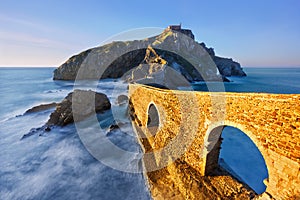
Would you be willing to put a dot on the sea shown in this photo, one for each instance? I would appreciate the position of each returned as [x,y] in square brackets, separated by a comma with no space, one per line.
[56,165]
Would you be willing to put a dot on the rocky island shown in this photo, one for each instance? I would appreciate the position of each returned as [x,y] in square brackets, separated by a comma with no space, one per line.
[115,59]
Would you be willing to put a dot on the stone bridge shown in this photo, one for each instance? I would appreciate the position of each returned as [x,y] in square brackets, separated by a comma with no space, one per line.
[189,124]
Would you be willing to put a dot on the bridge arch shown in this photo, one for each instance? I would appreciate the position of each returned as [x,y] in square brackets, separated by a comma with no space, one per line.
[212,146]
[153,120]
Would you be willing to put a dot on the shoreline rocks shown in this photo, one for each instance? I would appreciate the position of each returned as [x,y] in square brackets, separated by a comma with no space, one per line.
[76,106]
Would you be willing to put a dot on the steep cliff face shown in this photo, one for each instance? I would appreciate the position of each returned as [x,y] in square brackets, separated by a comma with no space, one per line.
[69,69]
[226,66]
[187,32]
[115,59]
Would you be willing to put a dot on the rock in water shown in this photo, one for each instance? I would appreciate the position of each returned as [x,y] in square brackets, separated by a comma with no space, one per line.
[77,106]
[41,107]
[122,99]
[107,62]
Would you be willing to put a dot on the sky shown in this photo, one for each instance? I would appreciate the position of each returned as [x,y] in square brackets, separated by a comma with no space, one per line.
[256,33]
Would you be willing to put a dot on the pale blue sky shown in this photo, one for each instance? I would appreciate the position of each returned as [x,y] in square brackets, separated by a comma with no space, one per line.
[47,32]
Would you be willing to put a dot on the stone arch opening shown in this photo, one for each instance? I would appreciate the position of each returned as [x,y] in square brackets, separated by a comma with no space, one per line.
[153,119]
[230,149]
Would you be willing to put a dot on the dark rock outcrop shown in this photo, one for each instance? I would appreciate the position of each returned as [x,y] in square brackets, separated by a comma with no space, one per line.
[41,131]
[113,127]
[78,106]
[40,108]
[108,61]
[122,99]
[228,67]
[187,32]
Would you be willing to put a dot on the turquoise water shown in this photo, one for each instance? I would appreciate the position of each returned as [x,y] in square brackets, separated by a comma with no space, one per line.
[57,165]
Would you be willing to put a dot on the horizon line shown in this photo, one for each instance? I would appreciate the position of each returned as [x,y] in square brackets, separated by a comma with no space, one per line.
[249,66]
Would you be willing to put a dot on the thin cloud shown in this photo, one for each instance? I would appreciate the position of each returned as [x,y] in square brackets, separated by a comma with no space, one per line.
[27,24]
[28,32]
[26,39]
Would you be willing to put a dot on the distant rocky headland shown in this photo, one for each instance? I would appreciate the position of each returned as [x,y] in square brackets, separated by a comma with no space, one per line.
[115,59]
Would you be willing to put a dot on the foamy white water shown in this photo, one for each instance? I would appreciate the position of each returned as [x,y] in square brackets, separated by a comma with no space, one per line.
[56,165]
